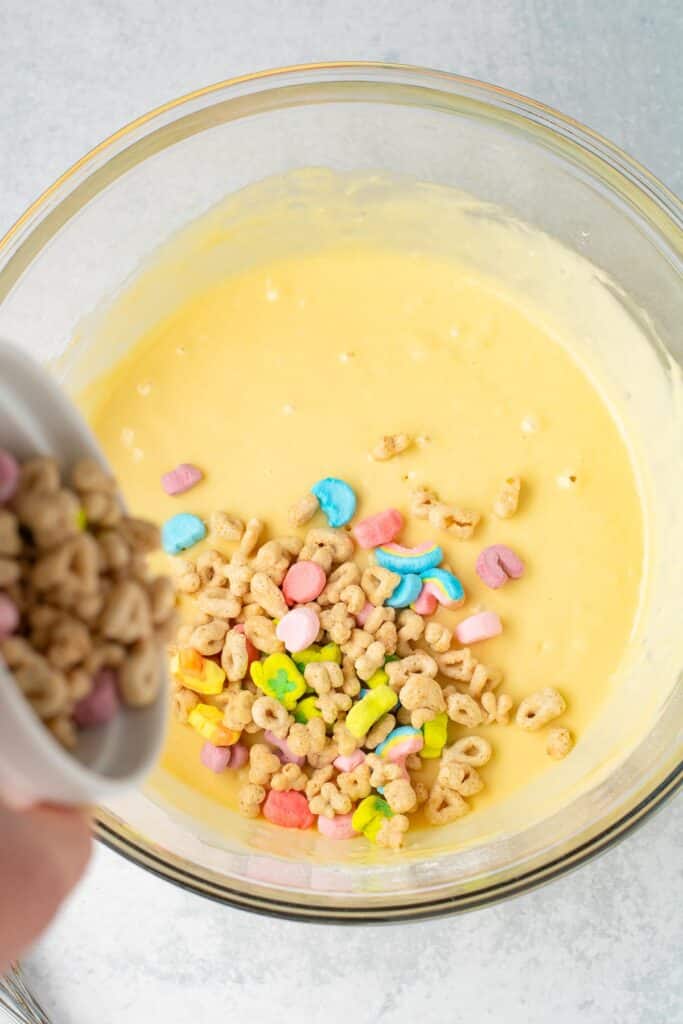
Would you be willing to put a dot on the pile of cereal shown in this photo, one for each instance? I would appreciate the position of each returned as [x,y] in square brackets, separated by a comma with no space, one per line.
[312,664]
[82,623]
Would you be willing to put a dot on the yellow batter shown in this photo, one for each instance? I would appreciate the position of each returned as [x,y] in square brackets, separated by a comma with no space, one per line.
[290,371]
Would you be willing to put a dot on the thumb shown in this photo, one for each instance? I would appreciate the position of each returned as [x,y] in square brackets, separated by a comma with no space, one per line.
[43,853]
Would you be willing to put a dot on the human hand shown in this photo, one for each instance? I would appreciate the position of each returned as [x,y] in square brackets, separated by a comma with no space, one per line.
[43,853]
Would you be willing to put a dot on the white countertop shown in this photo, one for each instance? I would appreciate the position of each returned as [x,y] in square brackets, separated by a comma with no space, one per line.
[599,946]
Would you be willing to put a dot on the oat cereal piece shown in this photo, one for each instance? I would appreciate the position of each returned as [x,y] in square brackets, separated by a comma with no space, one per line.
[371,661]
[332,705]
[303,511]
[74,566]
[417,663]
[268,595]
[392,832]
[238,574]
[324,676]
[261,632]
[290,776]
[444,806]
[457,664]
[185,576]
[100,509]
[354,598]
[218,602]
[10,538]
[461,522]
[438,637]
[251,537]
[140,674]
[235,657]
[422,696]
[413,762]
[126,616]
[484,679]
[382,771]
[43,686]
[400,796]
[225,527]
[271,715]
[327,755]
[10,571]
[263,764]
[356,645]
[251,797]
[307,739]
[422,501]
[390,446]
[345,575]
[318,779]
[69,643]
[403,716]
[141,536]
[378,617]
[497,708]
[474,750]
[39,475]
[421,791]
[507,500]
[355,784]
[351,681]
[338,623]
[211,568]
[114,553]
[462,777]
[208,639]
[330,801]
[559,743]
[379,732]
[183,701]
[161,596]
[338,542]
[272,560]
[539,708]
[346,742]
[464,710]
[410,629]
[379,583]
[88,475]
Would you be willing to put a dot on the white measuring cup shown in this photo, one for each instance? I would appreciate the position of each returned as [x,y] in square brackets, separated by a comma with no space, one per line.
[36,418]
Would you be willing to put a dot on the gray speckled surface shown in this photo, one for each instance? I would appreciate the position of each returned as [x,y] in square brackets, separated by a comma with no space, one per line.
[599,946]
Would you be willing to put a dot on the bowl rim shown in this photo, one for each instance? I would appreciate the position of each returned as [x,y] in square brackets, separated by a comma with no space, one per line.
[669,215]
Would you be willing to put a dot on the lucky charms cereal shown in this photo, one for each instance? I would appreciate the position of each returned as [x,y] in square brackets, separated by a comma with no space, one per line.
[318,663]
[83,623]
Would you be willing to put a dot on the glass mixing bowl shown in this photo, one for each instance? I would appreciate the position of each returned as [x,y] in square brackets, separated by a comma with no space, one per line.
[85,236]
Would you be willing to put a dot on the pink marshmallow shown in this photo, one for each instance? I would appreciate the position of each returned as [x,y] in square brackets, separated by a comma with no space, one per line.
[298,629]
[216,759]
[239,755]
[101,704]
[347,762]
[497,564]
[426,603]
[181,479]
[481,626]
[9,476]
[364,614]
[339,827]
[381,528]
[303,583]
[284,753]
[9,616]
